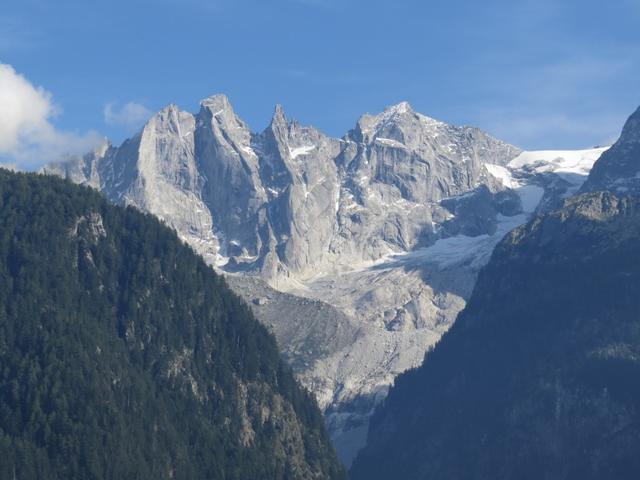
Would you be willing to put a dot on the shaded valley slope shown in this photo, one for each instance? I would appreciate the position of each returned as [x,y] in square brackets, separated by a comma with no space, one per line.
[540,375]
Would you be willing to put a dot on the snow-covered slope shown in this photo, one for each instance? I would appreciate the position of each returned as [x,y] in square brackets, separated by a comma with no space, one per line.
[561,162]
[386,227]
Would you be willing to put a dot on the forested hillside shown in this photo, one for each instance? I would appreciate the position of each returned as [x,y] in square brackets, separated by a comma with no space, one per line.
[123,356]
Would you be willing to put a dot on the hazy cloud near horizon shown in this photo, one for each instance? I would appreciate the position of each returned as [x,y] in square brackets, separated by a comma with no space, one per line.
[27,137]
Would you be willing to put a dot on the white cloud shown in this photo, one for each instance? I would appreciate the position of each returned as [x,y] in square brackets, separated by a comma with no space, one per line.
[27,136]
[131,115]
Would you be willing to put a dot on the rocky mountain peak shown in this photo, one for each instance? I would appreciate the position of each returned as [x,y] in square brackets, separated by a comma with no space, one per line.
[276,139]
[631,131]
[170,120]
[221,135]
[401,108]
[396,122]
[216,102]
[278,118]
[618,169]
[217,113]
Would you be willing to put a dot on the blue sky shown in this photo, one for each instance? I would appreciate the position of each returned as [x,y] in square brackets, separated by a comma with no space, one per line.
[539,74]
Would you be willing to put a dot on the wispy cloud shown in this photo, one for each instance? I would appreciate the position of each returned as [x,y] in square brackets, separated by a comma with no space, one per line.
[131,115]
[27,136]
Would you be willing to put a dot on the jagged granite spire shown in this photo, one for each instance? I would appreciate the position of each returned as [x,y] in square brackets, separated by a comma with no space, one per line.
[278,117]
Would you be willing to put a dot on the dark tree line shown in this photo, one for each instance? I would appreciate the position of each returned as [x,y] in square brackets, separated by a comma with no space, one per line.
[122,355]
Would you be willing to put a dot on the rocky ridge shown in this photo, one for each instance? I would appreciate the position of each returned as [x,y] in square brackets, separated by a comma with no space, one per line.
[618,170]
[358,252]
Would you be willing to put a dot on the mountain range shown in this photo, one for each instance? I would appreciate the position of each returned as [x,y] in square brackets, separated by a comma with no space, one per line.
[358,252]
[538,377]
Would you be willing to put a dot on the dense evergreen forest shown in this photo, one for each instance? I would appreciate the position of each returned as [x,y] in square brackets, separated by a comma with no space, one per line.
[539,378]
[124,356]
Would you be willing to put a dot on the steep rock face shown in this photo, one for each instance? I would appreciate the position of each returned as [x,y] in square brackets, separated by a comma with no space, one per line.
[232,190]
[424,159]
[290,199]
[619,169]
[395,167]
[384,229]
[125,356]
[538,376]
[303,181]
[167,180]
